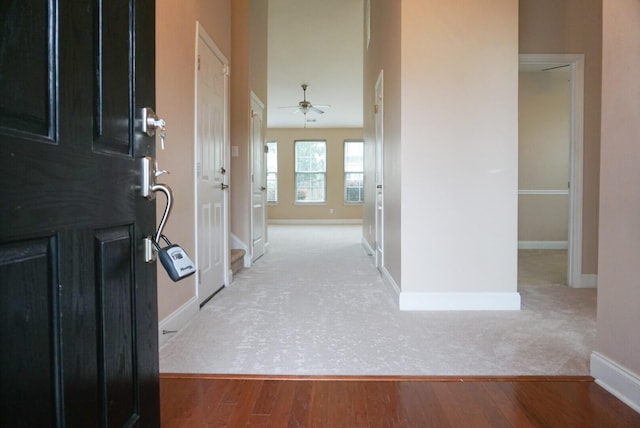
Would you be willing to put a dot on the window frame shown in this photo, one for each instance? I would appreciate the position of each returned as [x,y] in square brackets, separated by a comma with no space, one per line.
[297,173]
[345,173]
[273,144]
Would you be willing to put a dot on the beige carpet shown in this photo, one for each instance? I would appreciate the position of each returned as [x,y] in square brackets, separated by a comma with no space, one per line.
[315,305]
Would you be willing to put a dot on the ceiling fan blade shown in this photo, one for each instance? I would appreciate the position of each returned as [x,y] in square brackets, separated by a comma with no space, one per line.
[316,110]
[289,107]
[322,106]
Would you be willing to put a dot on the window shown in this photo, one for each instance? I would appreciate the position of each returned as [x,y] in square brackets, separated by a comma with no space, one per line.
[353,172]
[272,172]
[311,171]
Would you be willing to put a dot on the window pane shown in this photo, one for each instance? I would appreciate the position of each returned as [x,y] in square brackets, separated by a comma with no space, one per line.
[353,187]
[272,156]
[311,156]
[353,156]
[272,187]
[310,187]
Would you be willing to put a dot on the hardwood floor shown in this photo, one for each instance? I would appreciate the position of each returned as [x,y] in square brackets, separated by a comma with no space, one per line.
[246,401]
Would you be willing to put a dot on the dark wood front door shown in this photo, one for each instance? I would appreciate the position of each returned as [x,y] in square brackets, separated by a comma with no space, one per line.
[78,311]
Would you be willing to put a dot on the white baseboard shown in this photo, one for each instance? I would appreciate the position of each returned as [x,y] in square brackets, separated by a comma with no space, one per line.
[316,221]
[586,281]
[622,383]
[543,245]
[177,320]
[411,301]
[367,247]
[386,276]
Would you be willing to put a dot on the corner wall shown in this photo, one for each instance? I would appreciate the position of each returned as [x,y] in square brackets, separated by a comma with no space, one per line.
[616,361]
[459,155]
[383,54]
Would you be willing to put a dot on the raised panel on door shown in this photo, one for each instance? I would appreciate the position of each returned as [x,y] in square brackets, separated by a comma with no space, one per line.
[29,328]
[72,210]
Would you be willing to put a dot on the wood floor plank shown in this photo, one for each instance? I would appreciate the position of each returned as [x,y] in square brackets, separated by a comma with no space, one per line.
[235,402]
[384,407]
[301,406]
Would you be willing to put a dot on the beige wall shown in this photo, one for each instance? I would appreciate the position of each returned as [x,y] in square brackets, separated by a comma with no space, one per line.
[618,336]
[249,23]
[383,54]
[175,102]
[459,149]
[543,151]
[574,26]
[286,207]
[240,190]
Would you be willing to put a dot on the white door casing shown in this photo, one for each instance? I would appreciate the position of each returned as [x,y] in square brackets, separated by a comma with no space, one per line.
[211,153]
[258,180]
[379,215]
[575,278]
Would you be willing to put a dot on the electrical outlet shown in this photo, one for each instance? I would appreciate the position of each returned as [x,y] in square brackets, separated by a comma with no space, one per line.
[330,210]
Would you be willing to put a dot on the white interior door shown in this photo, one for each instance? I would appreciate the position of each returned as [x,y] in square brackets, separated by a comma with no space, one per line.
[211,199]
[258,180]
[379,174]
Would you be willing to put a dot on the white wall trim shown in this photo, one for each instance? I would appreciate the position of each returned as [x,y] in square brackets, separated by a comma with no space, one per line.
[587,280]
[543,245]
[367,247]
[576,62]
[410,301]
[177,319]
[543,192]
[316,221]
[386,277]
[619,381]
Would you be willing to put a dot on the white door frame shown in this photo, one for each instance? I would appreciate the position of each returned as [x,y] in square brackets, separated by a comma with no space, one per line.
[575,278]
[201,35]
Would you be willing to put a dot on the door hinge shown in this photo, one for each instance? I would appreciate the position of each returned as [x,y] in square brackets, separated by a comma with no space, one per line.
[199,277]
[225,70]
[375,108]
[198,62]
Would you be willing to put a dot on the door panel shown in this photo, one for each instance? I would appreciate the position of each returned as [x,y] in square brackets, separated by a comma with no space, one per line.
[25,67]
[379,215]
[78,301]
[27,307]
[211,172]
[259,180]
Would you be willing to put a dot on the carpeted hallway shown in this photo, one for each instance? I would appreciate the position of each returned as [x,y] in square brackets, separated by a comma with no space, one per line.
[315,305]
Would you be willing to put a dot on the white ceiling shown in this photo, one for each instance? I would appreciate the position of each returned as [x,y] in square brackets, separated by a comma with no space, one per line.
[319,43]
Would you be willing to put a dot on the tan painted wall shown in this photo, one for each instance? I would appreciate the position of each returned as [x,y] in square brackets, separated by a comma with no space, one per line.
[286,207]
[618,336]
[248,73]
[240,191]
[175,102]
[574,26]
[459,145]
[543,153]
[383,53]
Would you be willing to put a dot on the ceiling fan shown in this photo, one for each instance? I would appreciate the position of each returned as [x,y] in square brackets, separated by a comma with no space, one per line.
[305,106]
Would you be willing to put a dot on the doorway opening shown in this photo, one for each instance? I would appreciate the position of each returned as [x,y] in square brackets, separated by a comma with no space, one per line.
[552,147]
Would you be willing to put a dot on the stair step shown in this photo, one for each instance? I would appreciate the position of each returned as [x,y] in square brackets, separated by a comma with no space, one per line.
[237,260]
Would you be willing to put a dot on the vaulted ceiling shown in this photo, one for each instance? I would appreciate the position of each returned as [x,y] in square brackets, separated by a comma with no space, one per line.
[319,43]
